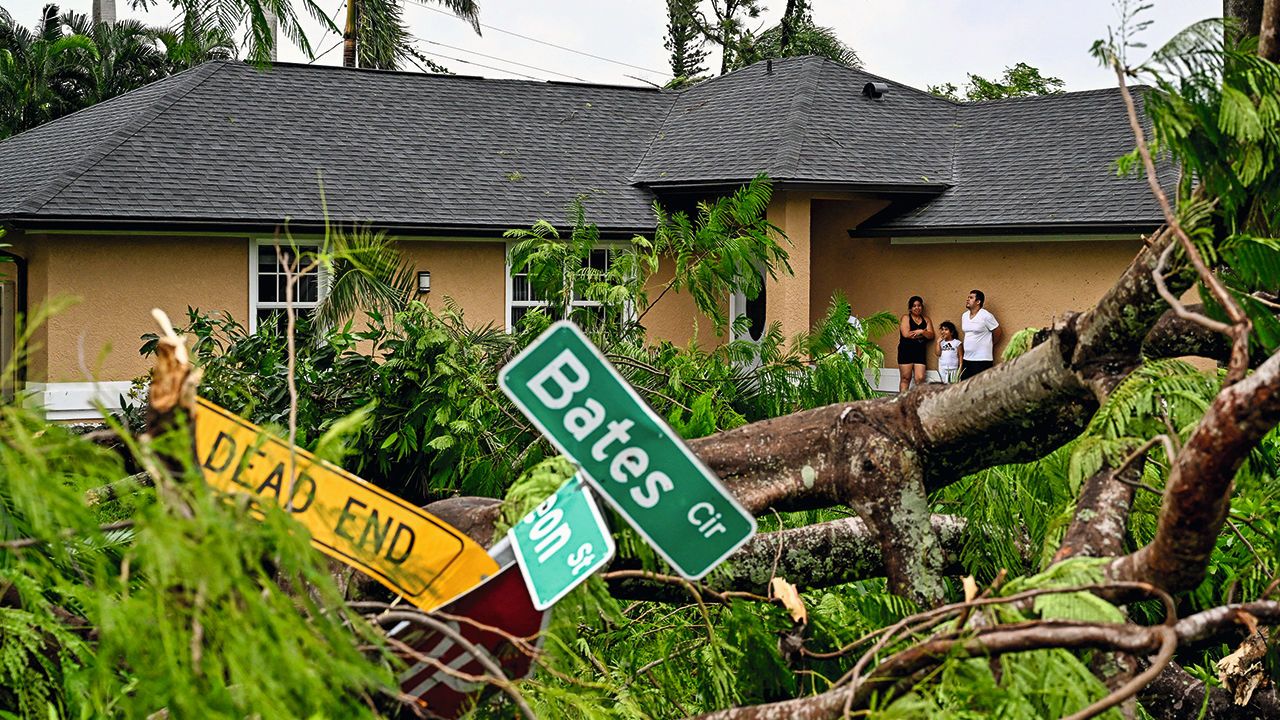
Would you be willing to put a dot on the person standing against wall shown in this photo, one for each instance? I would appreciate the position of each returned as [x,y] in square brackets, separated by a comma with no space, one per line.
[915,330]
[981,333]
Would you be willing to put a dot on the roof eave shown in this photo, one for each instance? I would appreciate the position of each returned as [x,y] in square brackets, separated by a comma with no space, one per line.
[224,226]
[1091,228]
[799,184]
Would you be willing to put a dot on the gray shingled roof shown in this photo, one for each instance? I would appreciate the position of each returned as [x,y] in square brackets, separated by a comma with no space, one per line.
[1039,161]
[229,145]
[806,121]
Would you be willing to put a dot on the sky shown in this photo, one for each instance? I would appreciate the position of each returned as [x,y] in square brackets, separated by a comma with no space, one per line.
[915,42]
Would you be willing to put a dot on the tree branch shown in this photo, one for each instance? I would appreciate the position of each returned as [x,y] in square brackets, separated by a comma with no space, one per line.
[1197,494]
[813,556]
[1101,518]
[1173,336]
[1175,695]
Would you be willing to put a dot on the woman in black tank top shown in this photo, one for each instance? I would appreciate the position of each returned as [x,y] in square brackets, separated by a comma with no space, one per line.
[915,330]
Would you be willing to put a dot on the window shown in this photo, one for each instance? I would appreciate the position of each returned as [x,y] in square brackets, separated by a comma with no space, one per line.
[521,298]
[754,309]
[267,281]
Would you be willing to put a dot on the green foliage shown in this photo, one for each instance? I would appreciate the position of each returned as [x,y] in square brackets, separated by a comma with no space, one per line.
[1019,343]
[729,246]
[197,608]
[365,272]
[567,273]
[1214,111]
[1031,685]
[794,36]
[687,48]
[726,26]
[67,62]
[1020,80]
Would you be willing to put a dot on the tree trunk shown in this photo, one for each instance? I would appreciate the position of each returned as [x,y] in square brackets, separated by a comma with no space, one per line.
[349,34]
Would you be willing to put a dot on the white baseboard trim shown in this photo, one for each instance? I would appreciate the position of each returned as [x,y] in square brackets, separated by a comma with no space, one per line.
[888,380]
[70,401]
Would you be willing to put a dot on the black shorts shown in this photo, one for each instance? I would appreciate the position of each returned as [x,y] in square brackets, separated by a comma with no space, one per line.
[973,367]
[910,352]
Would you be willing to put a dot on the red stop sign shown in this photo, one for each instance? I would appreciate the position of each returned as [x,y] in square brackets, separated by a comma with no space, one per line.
[503,602]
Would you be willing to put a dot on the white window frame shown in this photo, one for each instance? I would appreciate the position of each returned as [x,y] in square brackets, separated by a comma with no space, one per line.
[738,308]
[511,303]
[322,286]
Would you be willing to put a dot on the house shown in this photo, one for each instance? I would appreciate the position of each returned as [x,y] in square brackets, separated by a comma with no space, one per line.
[171,195]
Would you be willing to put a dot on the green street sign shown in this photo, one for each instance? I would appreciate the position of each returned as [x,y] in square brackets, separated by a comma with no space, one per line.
[561,543]
[584,407]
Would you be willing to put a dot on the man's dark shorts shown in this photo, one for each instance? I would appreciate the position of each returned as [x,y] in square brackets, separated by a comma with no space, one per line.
[973,367]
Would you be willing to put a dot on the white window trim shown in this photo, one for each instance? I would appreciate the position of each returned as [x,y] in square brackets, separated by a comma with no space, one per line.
[738,308]
[510,302]
[255,305]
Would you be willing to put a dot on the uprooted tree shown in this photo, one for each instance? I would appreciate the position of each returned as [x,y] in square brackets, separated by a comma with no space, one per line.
[189,618]
[1215,113]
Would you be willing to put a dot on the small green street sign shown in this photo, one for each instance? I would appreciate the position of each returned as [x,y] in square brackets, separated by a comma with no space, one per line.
[561,543]
[584,407]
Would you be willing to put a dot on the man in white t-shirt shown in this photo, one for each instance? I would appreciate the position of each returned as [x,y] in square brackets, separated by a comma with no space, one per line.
[851,349]
[981,332]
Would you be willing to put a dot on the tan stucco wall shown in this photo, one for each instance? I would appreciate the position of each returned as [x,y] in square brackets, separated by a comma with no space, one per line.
[787,298]
[120,278]
[116,281]
[472,273]
[674,317]
[1027,283]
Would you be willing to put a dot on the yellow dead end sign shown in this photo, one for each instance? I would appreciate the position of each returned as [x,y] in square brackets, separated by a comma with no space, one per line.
[419,556]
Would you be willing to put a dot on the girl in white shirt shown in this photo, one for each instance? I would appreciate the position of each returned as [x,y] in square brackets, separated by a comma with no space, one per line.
[949,348]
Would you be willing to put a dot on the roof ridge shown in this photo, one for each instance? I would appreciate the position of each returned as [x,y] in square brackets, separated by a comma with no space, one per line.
[898,83]
[453,76]
[744,68]
[795,123]
[127,129]
[1051,96]
[653,139]
[957,131]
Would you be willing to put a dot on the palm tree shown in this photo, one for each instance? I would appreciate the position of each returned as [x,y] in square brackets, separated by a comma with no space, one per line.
[365,271]
[42,73]
[375,35]
[127,56]
[262,18]
[197,39]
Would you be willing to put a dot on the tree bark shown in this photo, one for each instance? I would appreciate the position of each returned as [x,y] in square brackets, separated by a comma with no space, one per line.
[1269,27]
[1101,519]
[809,557]
[1176,695]
[349,32]
[1247,15]
[1173,337]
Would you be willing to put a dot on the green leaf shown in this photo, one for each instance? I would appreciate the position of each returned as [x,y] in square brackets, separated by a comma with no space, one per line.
[441,442]
[1082,606]
[1238,117]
